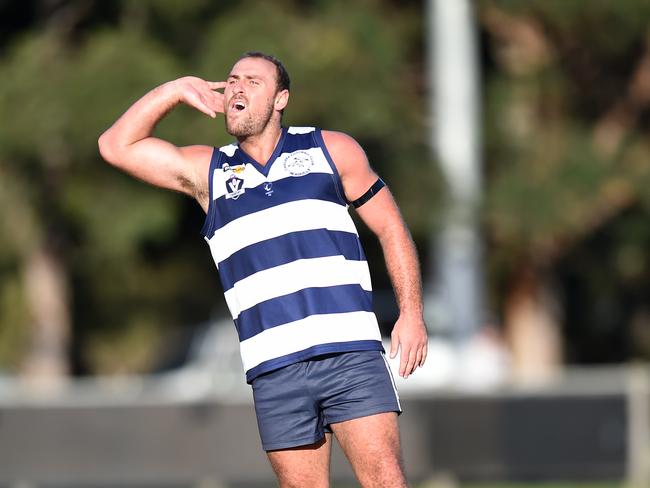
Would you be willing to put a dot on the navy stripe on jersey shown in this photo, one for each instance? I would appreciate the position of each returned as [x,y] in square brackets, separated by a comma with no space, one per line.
[211,213]
[296,142]
[301,304]
[318,137]
[306,244]
[272,364]
[285,190]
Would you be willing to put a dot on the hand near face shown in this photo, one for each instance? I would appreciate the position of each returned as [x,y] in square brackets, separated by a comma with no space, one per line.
[201,94]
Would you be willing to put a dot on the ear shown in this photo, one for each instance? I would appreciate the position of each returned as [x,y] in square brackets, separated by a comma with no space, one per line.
[281,99]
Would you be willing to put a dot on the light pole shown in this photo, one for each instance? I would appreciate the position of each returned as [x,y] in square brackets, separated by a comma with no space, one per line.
[454,287]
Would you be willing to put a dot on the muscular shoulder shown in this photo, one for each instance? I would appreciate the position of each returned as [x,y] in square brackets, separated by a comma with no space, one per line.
[197,154]
[345,150]
[351,163]
[197,157]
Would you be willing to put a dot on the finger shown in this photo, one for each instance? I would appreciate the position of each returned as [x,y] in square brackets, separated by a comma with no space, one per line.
[410,366]
[207,111]
[200,103]
[425,351]
[393,347]
[418,359]
[215,102]
[403,361]
[216,85]
[220,106]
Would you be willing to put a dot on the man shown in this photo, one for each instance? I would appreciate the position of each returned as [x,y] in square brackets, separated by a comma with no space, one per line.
[295,277]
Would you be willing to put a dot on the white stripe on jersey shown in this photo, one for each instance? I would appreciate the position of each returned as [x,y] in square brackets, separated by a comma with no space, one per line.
[277,221]
[315,155]
[300,130]
[305,333]
[229,150]
[294,276]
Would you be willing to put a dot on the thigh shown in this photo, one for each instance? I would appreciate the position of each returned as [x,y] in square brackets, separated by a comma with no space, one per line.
[353,385]
[372,446]
[287,414]
[304,466]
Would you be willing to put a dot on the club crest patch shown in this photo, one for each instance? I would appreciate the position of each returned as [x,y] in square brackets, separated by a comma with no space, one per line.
[298,163]
[234,187]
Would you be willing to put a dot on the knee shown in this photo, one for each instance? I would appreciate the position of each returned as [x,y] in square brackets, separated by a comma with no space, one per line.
[387,473]
[295,480]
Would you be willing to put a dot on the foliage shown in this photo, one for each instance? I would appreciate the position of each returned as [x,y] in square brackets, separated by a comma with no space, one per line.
[133,253]
[565,151]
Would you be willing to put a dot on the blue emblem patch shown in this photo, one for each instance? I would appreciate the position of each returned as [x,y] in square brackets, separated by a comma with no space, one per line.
[234,187]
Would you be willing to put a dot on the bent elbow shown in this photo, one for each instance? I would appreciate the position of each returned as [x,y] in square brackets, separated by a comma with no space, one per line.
[107,148]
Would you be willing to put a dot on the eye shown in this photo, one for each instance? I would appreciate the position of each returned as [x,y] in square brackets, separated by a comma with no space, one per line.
[254,82]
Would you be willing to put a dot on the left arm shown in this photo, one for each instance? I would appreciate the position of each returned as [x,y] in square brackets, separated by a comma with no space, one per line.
[383,217]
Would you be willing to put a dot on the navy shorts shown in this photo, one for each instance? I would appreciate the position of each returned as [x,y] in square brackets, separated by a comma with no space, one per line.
[296,404]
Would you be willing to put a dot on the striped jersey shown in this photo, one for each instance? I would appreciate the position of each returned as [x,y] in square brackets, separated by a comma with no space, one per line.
[294,275]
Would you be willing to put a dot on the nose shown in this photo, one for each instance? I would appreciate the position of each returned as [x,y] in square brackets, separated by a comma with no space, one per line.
[237,87]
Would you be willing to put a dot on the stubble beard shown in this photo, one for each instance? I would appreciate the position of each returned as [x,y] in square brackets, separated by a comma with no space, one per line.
[249,126]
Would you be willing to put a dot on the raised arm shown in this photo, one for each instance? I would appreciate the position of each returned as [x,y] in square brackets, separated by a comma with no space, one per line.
[383,217]
[129,145]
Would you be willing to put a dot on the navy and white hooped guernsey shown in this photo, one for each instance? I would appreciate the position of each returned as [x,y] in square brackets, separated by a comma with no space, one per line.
[294,274]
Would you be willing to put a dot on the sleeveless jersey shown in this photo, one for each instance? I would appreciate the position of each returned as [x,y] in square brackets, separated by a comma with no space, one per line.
[294,275]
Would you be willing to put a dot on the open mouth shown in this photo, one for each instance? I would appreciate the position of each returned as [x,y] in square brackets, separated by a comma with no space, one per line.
[238,105]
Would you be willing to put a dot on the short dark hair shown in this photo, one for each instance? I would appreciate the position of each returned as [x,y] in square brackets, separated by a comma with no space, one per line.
[283,80]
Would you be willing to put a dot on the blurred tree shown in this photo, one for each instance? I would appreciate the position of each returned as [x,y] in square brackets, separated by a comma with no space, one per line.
[50,92]
[94,260]
[567,151]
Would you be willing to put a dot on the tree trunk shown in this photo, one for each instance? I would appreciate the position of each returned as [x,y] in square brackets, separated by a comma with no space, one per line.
[532,328]
[46,288]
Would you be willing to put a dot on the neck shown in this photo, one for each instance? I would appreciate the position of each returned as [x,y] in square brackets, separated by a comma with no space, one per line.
[261,146]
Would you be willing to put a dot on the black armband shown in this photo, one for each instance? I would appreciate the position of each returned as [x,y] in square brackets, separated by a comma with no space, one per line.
[372,191]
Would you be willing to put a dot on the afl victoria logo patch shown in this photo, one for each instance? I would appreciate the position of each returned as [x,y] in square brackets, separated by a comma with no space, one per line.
[234,187]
